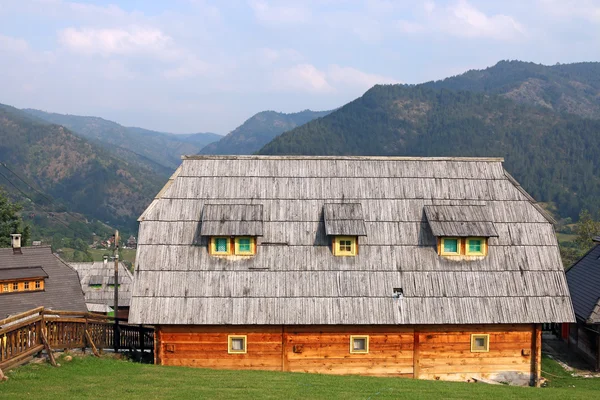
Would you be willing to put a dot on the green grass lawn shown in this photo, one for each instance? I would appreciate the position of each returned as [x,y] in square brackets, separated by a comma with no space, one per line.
[88,377]
[565,237]
[127,254]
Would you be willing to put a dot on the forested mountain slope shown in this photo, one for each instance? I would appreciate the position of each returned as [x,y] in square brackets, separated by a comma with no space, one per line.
[555,156]
[571,88]
[164,149]
[78,174]
[258,130]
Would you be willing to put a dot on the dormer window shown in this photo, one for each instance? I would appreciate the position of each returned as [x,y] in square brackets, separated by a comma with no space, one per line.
[22,279]
[232,228]
[461,230]
[344,223]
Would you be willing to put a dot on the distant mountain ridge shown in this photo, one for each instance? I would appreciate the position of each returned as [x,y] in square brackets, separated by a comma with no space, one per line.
[77,173]
[571,88]
[554,154]
[149,147]
[258,130]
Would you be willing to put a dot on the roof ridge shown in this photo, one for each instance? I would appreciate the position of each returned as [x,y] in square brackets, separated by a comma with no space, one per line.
[349,158]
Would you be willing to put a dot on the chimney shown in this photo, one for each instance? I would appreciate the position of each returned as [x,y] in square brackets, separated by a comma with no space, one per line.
[16,243]
[105,260]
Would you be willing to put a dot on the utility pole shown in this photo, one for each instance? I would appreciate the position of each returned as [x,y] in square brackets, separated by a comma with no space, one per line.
[117,338]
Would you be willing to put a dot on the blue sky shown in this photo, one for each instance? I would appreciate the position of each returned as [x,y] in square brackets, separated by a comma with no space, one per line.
[200,65]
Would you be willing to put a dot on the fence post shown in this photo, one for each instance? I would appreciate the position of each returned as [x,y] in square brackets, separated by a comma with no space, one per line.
[116,335]
[141,338]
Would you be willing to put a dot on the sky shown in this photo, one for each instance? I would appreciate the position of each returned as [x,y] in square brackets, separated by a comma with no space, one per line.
[188,66]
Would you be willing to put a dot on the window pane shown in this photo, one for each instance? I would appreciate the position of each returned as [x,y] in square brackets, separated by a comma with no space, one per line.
[26,285]
[480,342]
[237,344]
[221,245]
[474,246]
[450,246]
[244,245]
[15,286]
[37,284]
[359,344]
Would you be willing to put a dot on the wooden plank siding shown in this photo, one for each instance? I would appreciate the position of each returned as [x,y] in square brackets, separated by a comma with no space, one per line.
[423,351]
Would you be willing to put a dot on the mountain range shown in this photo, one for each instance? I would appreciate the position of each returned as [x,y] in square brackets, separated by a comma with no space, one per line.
[75,173]
[259,130]
[542,119]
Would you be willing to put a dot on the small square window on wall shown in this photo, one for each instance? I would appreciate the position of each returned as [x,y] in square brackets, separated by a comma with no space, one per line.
[480,343]
[245,246]
[15,286]
[236,344]
[26,286]
[476,246]
[345,245]
[220,245]
[450,246]
[359,344]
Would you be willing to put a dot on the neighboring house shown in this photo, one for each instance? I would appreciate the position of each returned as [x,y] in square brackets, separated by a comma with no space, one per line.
[31,277]
[432,268]
[98,283]
[131,242]
[584,284]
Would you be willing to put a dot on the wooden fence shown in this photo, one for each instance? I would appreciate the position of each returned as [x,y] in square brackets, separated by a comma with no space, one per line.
[24,335]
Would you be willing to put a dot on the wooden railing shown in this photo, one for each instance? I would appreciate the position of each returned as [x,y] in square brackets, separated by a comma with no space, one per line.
[24,335]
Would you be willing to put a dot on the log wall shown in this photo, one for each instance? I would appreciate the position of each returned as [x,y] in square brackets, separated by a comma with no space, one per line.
[423,352]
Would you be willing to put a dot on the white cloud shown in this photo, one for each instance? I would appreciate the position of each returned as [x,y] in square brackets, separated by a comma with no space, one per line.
[118,41]
[188,68]
[465,20]
[565,9]
[462,19]
[352,77]
[302,78]
[8,43]
[277,14]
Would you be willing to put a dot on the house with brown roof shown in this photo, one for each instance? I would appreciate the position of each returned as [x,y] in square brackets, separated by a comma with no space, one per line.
[431,268]
[31,277]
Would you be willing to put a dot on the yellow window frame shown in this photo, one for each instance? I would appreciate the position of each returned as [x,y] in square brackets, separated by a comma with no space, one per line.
[353,246]
[213,246]
[245,253]
[450,253]
[478,349]
[231,338]
[483,251]
[359,337]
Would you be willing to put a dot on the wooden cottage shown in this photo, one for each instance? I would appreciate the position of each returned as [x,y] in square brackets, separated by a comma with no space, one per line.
[98,283]
[31,277]
[432,268]
[584,284]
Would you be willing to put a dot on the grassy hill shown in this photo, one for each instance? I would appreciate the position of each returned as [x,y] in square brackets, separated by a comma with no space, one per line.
[258,130]
[555,156]
[149,148]
[78,174]
[90,378]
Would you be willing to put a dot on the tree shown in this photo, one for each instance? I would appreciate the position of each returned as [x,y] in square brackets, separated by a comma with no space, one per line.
[11,222]
[587,228]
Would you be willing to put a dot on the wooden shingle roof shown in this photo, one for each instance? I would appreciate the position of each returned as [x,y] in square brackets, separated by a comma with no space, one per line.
[294,278]
[61,288]
[98,274]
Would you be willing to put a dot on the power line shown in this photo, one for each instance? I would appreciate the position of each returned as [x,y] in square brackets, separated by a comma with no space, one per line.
[40,192]
[52,216]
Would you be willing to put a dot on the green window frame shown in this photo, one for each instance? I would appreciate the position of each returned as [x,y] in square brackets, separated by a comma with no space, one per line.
[220,245]
[476,246]
[450,246]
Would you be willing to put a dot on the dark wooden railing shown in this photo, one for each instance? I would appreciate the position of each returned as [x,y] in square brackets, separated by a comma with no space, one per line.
[21,335]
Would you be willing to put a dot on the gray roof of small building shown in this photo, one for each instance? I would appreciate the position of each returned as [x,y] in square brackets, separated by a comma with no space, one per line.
[22,273]
[96,273]
[460,221]
[61,288]
[584,284]
[232,220]
[344,219]
[295,279]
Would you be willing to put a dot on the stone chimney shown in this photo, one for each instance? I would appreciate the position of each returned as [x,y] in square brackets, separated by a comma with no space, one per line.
[16,243]
[105,260]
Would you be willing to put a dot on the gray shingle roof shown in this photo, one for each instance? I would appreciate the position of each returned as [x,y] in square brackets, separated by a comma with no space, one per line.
[301,282]
[62,289]
[344,219]
[96,273]
[232,220]
[22,273]
[584,284]
[460,221]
